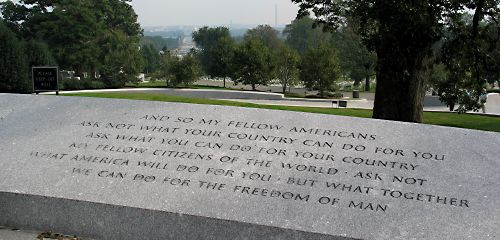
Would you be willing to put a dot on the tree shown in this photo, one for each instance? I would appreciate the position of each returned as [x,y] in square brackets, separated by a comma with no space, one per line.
[121,61]
[222,55]
[151,56]
[185,70]
[119,46]
[441,81]
[402,34]
[167,60]
[253,63]
[13,63]
[160,43]
[17,59]
[81,33]
[38,54]
[207,37]
[217,49]
[320,68]
[287,66]
[301,35]
[469,66]
[358,63]
[69,28]
[267,34]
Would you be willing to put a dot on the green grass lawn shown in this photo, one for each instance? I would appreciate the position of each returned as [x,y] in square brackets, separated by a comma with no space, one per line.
[163,84]
[469,121]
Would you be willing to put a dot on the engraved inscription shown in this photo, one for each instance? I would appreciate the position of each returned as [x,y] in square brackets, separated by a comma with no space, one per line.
[327,168]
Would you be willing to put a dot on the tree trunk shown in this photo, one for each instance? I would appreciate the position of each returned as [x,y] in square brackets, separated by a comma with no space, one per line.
[404,53]
[367,83]
[367,77]
[401,73]
[357,82]
[224,82]
[284,88]
[253,87]
[478,15]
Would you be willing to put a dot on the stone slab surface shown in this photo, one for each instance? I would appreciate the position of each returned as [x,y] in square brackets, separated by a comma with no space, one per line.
[121,169]
[9,234]
[21,234]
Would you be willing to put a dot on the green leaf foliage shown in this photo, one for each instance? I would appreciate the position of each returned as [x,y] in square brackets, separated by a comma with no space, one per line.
[151,56]
[85,36]
[267,34]
[302,35]
[121,61]
[13,63]
[217,50]
[320,68]
[403,34]
[253,63]
[357,62]
[287,66]
[160,43]
[185,70]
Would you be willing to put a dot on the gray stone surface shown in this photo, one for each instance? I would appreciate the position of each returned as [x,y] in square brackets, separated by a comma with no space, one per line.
[65,167]
[21,234]
[9,234]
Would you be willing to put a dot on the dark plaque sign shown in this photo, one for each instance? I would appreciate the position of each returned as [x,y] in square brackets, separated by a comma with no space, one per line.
[45,79]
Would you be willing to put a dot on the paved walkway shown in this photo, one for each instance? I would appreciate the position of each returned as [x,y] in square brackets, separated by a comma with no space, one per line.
[275,88]
[431,103]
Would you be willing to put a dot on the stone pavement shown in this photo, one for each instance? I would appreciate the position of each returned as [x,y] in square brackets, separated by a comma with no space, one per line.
[366,100]
[431,103]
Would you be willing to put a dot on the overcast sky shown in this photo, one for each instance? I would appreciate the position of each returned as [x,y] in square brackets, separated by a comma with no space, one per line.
[213,12]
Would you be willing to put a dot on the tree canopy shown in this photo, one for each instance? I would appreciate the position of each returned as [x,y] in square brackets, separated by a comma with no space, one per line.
[287,66]
[207,37]
[253,63]
[403,34]
[13,63]
[320,68]
[267,34]
[301,34]
[357,62]
[151,56]
[464,67]
[217,49]
[185,70]
[82,35]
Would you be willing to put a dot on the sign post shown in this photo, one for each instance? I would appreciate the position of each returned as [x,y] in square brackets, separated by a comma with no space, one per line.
[45,79]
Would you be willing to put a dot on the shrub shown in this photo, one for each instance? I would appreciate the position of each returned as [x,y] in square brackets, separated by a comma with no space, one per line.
[92,84]
[335,95]
[494,91]
[76,84]
[70,84]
